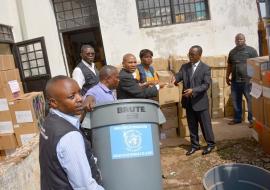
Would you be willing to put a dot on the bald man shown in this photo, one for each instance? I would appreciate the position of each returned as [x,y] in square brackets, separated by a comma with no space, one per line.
[128,86]
[66,159]
[239,81]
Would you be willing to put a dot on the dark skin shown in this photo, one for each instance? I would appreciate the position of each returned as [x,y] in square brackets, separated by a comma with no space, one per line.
[194,56]
[65,96]
[240,41]
[88,55]
[147,60]
[129,62]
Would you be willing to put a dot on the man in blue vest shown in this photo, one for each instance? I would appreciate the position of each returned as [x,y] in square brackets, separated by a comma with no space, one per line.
[66,159]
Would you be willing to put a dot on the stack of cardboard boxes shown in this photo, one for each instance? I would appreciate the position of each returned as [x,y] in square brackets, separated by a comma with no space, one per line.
[259,69]
[168,99]
[15,108]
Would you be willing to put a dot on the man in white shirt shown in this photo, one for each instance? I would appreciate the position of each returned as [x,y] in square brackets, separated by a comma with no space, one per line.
[86,73]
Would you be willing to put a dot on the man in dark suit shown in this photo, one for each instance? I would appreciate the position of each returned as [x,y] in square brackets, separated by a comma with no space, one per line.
[128,86]
[196,77]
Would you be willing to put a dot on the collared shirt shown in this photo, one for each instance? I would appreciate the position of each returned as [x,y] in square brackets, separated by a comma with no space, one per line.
[78,75]
[101,93]
[72,157]
[194,67]
[238,60]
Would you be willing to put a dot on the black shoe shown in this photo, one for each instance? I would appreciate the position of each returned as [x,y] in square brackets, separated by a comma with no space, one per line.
[250,124]
[192,151]
[207,150]
[233,122]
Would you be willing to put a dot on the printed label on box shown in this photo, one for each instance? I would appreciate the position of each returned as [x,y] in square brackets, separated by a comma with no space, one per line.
[3,104]
[6,127]
[23,116]
[131,141]
[256,90]
[25,138]
[14,86]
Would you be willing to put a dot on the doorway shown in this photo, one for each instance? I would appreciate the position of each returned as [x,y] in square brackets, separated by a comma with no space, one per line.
[73,41]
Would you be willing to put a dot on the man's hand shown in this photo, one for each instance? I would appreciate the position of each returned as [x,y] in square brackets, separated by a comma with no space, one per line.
[228,81]
[162,84]
[172,79]
[89,103]
[188,92]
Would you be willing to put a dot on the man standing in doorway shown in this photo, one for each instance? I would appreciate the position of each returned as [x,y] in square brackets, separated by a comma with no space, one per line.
[240,82]
[86,73]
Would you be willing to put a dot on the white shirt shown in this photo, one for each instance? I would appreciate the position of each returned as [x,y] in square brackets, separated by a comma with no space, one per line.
[194,67]
[78,75]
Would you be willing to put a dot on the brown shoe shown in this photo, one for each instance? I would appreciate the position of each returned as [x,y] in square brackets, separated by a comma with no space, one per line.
[233,122]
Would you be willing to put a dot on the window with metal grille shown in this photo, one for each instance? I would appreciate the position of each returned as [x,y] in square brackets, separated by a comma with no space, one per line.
[6,34]
[33,56]
[75,14]
[164,12]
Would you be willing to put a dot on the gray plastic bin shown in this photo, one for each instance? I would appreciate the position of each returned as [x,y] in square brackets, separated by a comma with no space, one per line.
[125,139]
[237,177]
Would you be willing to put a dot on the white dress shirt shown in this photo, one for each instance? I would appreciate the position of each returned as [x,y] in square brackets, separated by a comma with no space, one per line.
[72,157]
[78,75]
[194,67]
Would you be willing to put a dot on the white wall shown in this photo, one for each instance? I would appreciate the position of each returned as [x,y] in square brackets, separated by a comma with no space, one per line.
[121,33]
[32,19]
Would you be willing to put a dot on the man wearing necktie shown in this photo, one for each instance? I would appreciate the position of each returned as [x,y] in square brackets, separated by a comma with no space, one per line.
[196,77]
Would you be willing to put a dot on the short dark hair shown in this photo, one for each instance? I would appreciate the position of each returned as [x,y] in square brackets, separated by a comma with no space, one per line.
[85,46]
[143,52]
[106,71]
[51,82]
[197,47]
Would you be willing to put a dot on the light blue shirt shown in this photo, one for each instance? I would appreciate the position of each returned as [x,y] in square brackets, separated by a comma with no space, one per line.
[72,157]
[101,93]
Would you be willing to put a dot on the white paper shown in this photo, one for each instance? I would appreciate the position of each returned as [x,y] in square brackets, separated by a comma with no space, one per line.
[256,90]
[6,127]
[3,104]
[266,92]
[23,116]
[14,86]
[25,138]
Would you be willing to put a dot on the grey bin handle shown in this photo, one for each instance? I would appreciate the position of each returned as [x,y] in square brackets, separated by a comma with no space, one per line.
[161,118]
[86,121]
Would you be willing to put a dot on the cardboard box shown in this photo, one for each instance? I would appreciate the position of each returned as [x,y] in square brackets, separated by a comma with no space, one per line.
[8,141]
[266,91]
[266,140]
[164,76]
[259,129]
[218,93]
[168,133]
[6,125]
[255,67]
[218,83]
[217,112]
[183,128]
[181,111]
[160,64]
[28,109]
[11,93]
[25,133]
[6,62]
[170,113]
[218,72]
[215,61]
[9,75]
[266,111]
[266,78]
[258,109]
[176,63]
[168,94]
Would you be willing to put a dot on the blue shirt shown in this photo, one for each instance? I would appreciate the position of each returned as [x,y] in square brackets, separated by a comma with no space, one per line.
[72,157]
[101,93]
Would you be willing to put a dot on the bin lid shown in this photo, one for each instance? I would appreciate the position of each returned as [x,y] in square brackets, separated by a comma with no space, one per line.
[124,111]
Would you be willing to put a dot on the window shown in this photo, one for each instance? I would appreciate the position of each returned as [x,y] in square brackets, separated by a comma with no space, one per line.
[73,14]
[163,12]
[6,34]
[33,58]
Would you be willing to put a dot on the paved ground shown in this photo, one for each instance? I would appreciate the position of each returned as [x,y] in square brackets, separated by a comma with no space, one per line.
[234,145]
